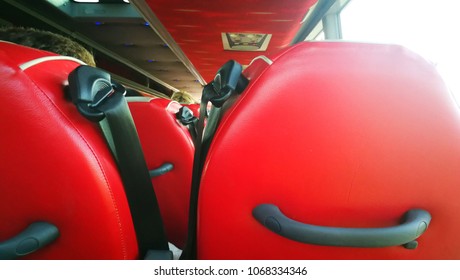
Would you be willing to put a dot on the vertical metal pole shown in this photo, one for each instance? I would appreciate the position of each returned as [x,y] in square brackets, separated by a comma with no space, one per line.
[332,27]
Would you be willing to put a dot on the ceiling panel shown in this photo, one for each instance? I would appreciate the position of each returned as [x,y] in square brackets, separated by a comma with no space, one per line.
[137,42]
[182,47]
[196,26]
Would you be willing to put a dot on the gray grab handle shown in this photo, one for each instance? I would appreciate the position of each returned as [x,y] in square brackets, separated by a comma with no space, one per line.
[163,169]
[36,236]
[415,222]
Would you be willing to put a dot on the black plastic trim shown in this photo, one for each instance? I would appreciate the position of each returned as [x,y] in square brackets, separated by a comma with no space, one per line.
[36,236]
[414,223]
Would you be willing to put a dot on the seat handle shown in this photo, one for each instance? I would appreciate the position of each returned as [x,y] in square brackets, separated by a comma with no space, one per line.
[163,169]
[414,223]
[36,236]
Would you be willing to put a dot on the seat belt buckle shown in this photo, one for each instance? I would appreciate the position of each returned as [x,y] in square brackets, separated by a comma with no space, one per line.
[89,88]
[159,255]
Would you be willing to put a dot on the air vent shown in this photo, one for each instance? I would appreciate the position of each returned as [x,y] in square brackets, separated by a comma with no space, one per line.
[245,41]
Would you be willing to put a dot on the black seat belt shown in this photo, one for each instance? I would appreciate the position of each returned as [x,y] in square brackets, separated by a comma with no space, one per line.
[101,100]
[228,82]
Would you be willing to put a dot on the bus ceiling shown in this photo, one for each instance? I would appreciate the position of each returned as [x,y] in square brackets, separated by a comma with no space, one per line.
[163,46]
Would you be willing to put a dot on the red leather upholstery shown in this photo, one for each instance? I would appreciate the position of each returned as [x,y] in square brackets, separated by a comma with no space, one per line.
[55,165]
[164,140]
[334,134]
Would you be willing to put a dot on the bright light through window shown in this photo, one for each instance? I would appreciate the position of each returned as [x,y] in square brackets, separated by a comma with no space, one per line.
[428,27]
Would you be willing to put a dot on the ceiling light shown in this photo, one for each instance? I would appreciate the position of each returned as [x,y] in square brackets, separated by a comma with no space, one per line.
[86,1]
[58,3]
[245,41]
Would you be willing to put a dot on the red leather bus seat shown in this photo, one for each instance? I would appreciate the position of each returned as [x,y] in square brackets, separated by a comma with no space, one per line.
[55,165]
[335,134]
[165,140]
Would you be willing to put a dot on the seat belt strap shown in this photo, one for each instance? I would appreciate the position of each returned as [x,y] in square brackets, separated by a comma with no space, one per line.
[189,252]
[103,101]
[227,82]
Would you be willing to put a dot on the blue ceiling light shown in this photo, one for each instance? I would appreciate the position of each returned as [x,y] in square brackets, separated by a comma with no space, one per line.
[151,60]
[146,24]
[98,23]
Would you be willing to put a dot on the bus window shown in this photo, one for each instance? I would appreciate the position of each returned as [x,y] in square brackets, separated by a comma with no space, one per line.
[426,27]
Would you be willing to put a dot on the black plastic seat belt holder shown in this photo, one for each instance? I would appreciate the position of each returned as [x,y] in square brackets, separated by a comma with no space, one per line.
[227,82]
[100,100]
[185,116]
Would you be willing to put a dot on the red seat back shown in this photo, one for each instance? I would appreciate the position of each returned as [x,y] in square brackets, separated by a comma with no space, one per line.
[165,140]
[55,165]
[338,135]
